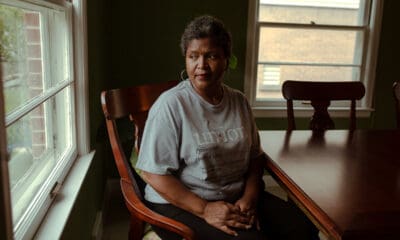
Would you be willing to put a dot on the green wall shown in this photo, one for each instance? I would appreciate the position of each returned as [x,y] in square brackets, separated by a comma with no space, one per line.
[134,42]
[388,67]
[145,40]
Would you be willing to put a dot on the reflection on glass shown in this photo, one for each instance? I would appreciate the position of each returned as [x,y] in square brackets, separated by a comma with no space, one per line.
[36,143]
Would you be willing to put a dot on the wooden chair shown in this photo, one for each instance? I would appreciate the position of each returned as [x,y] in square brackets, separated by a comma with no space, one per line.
[133,103]
[396,94]
[321,94]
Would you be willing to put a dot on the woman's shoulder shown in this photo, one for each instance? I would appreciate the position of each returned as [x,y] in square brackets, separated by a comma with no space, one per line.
[171,98]
[171,95]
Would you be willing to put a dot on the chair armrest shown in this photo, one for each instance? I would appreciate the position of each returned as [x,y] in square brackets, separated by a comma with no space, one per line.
[137,207]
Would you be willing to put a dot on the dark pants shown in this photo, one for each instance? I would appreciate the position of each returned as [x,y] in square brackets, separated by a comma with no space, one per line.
[279,220]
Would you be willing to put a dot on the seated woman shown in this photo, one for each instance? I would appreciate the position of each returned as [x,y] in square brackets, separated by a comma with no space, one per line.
[201,156]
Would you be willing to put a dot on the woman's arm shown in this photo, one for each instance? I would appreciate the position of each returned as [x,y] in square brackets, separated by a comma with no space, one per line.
[219,214]
[248,202]
[172,190]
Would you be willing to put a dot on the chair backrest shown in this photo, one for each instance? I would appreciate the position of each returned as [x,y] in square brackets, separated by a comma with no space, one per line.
[396,94]
[321,94]
[133,103]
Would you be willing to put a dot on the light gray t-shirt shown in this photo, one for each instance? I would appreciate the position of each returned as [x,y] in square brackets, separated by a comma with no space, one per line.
[207,147]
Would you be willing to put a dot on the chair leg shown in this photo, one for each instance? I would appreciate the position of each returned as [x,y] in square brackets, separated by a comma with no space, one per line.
[136,229]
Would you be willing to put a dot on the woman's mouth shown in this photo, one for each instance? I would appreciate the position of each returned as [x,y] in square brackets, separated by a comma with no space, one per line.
[203,75]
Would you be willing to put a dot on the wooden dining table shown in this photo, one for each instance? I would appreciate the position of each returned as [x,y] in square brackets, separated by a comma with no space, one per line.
[347,182]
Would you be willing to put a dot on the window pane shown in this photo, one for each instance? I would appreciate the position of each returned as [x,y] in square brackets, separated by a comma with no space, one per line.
[59,60]
[23,50]
[303,45]
[330,12]
[20,36]
[271,77]
[36,143]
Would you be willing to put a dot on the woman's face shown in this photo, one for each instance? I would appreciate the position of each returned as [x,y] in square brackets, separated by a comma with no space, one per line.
[205,64]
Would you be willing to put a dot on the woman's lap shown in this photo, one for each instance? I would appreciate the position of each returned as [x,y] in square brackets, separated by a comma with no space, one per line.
[278,220]
[201,228]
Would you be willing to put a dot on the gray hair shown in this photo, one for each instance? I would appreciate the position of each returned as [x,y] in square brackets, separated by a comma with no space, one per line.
[207,27]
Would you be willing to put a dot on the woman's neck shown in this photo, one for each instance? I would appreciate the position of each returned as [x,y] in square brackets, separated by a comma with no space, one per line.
[216,97]
[213,95]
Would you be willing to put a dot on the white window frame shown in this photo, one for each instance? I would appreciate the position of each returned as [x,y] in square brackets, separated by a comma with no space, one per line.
[5,198]
[71,173]
[278,108]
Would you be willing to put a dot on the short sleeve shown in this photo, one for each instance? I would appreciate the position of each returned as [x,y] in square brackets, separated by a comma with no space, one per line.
[255,149]
[159,146]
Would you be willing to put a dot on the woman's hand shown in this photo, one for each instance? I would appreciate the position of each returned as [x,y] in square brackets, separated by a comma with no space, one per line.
[248,208]
[221,215]
[254,184]
[226,216]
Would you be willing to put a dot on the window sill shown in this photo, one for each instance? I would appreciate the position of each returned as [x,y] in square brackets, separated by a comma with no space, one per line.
[57,216]
[280,112]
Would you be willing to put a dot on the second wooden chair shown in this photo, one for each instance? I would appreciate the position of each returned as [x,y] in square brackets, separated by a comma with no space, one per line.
[320,94]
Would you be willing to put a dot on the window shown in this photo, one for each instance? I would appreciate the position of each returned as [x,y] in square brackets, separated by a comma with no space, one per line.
[309,40]
[40,108]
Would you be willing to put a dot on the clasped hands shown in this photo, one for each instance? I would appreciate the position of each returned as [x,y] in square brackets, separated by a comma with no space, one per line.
[226,216]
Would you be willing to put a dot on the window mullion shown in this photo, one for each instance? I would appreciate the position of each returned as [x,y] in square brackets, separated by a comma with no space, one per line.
[309,64]
[252,51]
[5,198]
[310,26]
[17,114]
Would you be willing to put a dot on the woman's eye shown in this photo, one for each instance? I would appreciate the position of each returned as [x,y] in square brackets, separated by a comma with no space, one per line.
[193,56]
[212,56]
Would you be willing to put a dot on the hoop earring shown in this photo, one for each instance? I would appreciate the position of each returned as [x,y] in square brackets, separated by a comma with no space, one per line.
[182,75]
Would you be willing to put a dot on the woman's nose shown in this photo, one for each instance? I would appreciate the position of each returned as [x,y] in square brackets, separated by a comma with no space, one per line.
[202,62]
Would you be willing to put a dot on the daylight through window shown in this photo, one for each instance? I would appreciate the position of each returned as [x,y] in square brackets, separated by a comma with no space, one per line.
[36,61]
[309,40]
